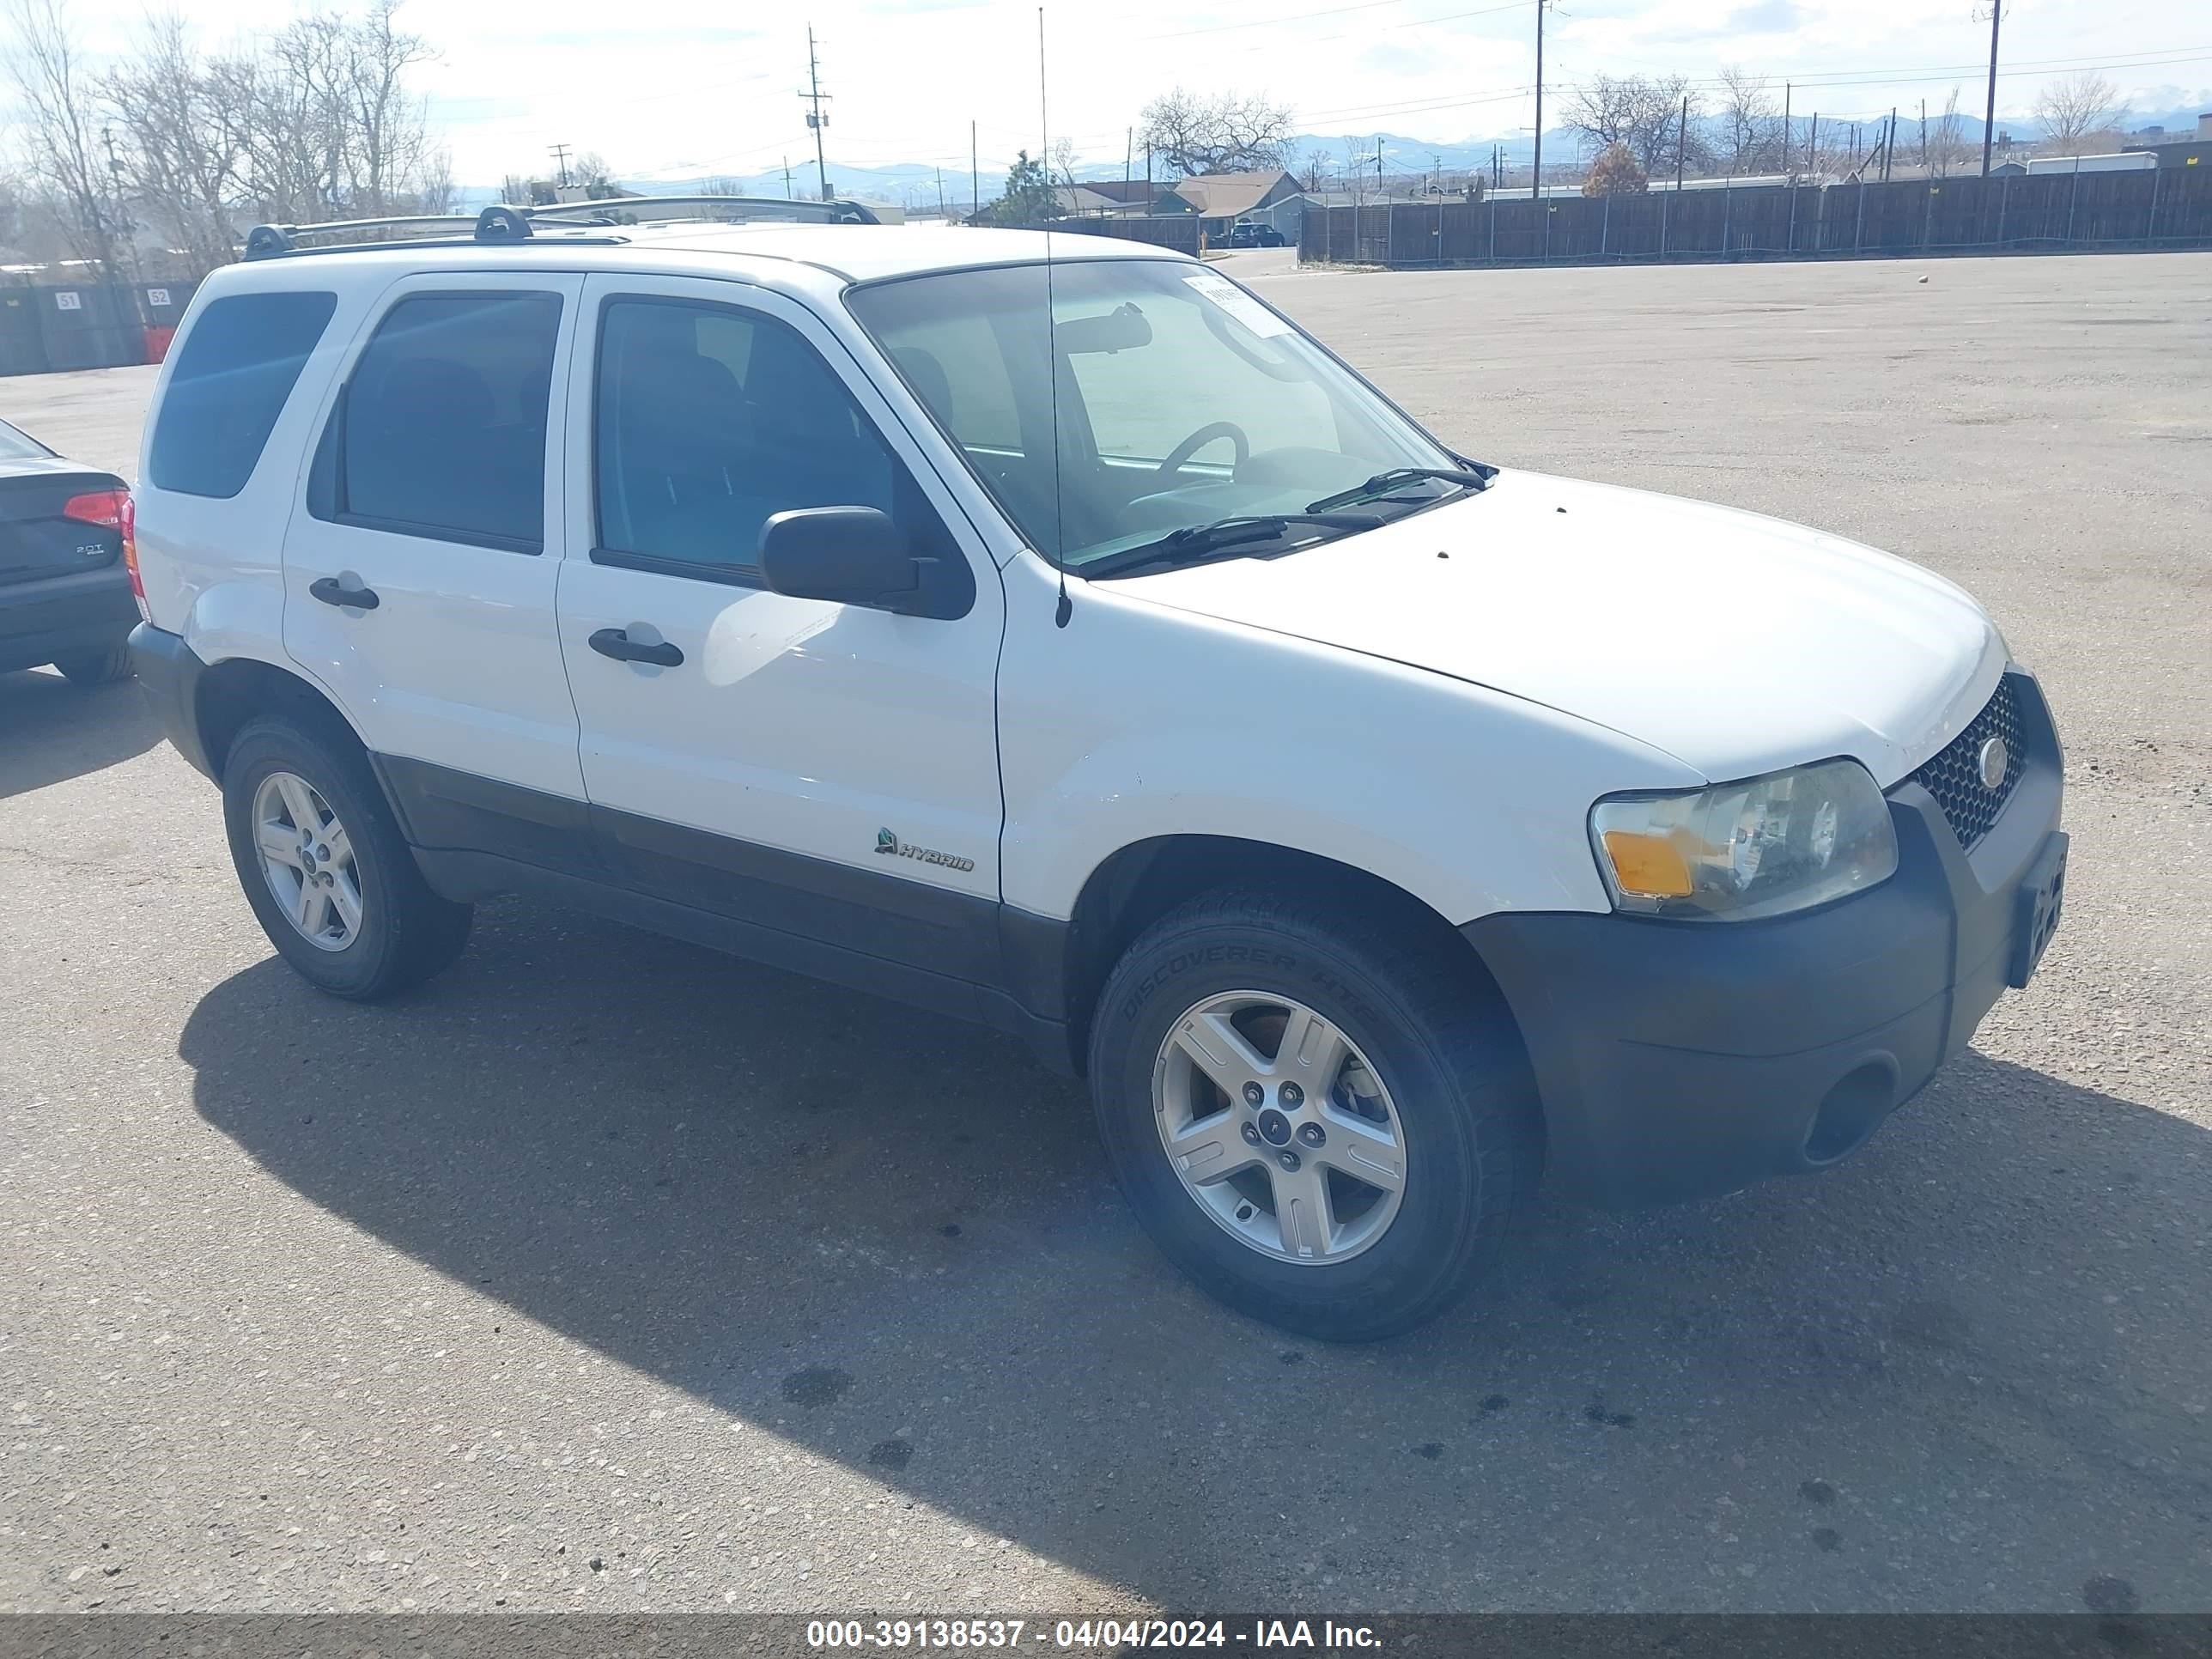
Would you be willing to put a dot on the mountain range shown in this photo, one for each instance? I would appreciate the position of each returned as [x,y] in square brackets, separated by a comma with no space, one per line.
[917,184]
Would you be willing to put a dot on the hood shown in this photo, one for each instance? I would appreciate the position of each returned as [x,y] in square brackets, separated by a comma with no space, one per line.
[1736,643]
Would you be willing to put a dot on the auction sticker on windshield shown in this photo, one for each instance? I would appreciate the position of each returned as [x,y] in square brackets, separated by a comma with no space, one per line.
[1238,303]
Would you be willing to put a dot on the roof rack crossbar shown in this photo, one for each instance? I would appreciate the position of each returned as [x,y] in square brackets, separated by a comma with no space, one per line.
[835,211]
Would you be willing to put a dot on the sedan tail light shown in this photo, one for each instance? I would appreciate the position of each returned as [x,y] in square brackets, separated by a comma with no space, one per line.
[114,509]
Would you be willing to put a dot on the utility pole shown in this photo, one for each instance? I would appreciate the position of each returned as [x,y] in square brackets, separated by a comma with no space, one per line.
[121,226]
[1924,137]
[1436,167]
[815,118]
[1128,150]
[1044,113]
[1989,108]
[1536,177]
[559,154]
[1785,128]
[1813,144]
[786,178]
[940,192]
[974,176]
[1682,149]
[1379,190]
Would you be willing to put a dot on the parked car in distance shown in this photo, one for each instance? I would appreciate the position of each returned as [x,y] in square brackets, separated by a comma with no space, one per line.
[1253,232]
[1048,632]
[65,581]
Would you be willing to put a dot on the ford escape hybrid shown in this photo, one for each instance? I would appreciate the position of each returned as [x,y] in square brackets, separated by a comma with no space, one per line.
[1048,632]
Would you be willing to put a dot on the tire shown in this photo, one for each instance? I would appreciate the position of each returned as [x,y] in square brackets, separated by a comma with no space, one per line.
[1420,1022]
[402,933]
[97,667]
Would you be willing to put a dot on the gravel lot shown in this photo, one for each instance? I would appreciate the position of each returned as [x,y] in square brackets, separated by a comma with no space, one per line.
[610,1273]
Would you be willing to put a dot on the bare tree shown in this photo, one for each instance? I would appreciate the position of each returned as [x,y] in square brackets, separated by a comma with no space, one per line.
[60,128]
[1063,162]
[386,144]
[1752,124]
[2075,107]
[588,171]
[1945,141]
[1227,132]
[1642,114]
[184,125]
[1359,160]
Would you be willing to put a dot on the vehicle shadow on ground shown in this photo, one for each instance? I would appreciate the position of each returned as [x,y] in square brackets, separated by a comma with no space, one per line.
[889,1239]
[51,730]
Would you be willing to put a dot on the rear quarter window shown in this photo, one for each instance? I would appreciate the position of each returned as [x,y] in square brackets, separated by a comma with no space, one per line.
[237,366]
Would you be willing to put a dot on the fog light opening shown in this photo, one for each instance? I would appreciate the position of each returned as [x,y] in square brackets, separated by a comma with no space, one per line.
[1851,1111]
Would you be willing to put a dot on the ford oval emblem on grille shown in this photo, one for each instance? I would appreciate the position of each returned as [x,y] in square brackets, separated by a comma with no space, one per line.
[1991,762]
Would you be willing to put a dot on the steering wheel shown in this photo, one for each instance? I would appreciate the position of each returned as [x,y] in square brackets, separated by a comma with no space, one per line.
[1198,440]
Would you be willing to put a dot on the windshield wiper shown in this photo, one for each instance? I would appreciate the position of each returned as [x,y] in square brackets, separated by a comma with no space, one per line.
[1470,477]
[1195,543]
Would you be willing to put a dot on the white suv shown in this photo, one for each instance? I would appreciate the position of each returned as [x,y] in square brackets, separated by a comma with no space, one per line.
[1048,632]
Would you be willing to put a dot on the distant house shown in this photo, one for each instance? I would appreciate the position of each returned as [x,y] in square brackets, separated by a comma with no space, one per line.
[1134,195]
[1220,199]
[1087,201]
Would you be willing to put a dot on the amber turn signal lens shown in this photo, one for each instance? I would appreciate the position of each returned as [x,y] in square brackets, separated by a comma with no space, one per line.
[1649,865]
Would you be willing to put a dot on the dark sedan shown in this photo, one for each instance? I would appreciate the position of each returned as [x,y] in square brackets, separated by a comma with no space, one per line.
[1254,233]
[65,580]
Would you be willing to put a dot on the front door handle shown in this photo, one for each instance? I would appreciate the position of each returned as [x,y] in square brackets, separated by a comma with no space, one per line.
[614,642]
[331,591]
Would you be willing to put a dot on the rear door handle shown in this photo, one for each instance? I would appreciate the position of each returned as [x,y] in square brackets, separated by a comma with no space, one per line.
[614,642]
[331,591]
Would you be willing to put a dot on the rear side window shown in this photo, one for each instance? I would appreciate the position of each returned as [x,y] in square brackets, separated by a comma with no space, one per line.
[441,432]
[236,367]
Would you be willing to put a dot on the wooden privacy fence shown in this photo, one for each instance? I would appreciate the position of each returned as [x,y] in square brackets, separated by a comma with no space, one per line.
[1178,231]
[2165,207]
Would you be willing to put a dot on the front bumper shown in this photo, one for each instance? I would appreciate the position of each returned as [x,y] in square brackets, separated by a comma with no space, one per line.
[79,614]
[1680,1061]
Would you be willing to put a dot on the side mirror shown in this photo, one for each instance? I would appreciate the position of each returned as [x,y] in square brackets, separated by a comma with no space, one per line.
[848,555]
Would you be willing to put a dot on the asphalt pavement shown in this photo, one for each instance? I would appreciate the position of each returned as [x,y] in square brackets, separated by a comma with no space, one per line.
[607,1273]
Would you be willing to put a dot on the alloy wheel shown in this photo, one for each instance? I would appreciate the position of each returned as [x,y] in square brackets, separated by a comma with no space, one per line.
[1278,1127]
[308,860]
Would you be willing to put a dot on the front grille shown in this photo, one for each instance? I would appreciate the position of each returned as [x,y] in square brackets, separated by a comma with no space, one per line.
[1954,776]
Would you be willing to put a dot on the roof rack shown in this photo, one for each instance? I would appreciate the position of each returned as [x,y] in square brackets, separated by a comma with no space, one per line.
[504,223]
[638,209]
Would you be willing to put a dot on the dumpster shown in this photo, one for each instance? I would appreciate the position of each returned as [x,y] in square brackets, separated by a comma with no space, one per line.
[89,325]
[22,343]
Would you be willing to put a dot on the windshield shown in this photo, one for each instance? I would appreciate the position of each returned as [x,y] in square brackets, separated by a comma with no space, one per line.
[1182,400]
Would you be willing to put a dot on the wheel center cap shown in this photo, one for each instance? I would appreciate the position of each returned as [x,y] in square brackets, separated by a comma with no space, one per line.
[1274,1128]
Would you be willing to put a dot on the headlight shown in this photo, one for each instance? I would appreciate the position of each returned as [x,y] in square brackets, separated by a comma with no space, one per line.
[1739,851]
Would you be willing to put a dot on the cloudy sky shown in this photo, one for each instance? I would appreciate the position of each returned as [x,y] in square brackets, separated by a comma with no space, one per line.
[671,87]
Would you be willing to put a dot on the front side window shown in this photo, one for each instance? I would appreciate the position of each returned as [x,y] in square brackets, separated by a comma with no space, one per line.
[1159,397]
[238,365]
[442,429]
[709,419]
